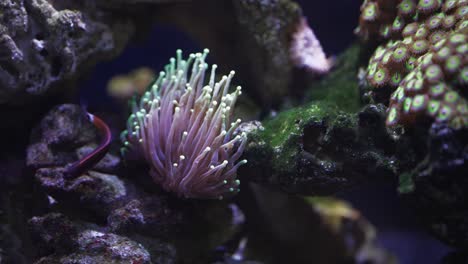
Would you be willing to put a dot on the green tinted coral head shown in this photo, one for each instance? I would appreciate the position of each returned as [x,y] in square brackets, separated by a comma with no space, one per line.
[380,77]
[183,127]
[428,6]
[370,12]
[406,8]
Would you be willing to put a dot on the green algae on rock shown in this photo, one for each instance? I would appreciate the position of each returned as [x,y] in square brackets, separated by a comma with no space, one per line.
[320,153]
[340,86]
[320,148]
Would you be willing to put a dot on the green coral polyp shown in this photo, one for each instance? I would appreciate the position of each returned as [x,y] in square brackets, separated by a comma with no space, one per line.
[407,104]
[462,12]
[406,8]
[409,29]
[380,77]
[372,69]
[419,46]
[464,75]
[457,39]
[438,89]
[449,5]
[421,33]
[462,49]
[428,6]
[400,95]
[410,64]
[462,109]
[434,73]
[444,113]
[396,79]
[451,97]
[370,13]
[433,107]
[443,54]
[452,64]
[449,21]
[385,32]
[434,22]
[386,58]
[419,103]
[397,25]
[379,53]
[392,117]
[439,45]
[462,25]
[426,60]
[436,36]
[400,54]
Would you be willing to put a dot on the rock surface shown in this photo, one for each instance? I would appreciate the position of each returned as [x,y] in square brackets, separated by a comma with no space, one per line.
[123,206]
[436,187]
[260,39]
[45,43]
[116,214]
[329,145]
[73,243]
[323,147]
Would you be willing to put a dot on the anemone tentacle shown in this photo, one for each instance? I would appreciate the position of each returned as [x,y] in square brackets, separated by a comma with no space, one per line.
[183,128]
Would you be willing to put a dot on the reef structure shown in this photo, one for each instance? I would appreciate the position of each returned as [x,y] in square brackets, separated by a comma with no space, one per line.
[184,130]
[45,44]
[423,64]
[419,69]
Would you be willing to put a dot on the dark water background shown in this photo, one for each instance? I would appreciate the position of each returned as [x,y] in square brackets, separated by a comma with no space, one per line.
[333,23]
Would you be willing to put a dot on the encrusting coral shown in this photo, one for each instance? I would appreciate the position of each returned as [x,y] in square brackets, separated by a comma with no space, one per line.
[424,64]
[184,130]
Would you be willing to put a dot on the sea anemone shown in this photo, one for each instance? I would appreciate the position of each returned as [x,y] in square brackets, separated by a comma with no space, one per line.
[183,128]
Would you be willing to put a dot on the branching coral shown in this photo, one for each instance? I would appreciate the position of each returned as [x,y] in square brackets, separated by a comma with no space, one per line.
[184,130]
[424,64]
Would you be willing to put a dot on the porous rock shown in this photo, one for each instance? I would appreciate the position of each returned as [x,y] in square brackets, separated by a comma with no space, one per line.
[75,243]
[45,43]
[436,187]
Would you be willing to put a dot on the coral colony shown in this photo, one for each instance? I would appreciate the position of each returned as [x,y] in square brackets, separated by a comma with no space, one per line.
[183,128]
[424,62]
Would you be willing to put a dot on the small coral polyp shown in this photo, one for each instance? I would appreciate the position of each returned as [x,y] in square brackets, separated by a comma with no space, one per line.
[424,62]
[433,88]
[183,128]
